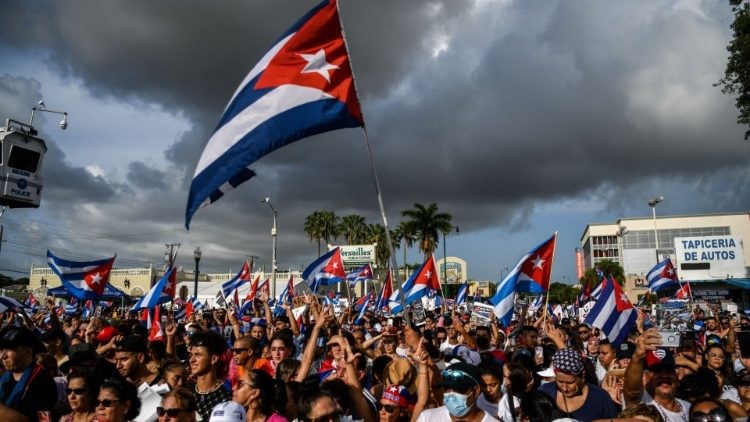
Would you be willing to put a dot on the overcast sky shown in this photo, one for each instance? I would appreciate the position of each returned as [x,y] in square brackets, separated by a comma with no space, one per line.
[517,117]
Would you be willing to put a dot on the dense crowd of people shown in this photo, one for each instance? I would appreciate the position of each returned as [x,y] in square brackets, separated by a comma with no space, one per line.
[325,366]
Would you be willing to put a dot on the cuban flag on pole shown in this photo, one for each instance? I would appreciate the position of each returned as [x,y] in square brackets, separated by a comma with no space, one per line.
[683,292]
[612,313]
[362,273]
[598,291]
[235,282]
[531,274]
[367,299]
[156,295]
[463,291]
[84,280]
[254,287]
[385,292]
[663,275]
[423,280]
[301,87]
[325,271]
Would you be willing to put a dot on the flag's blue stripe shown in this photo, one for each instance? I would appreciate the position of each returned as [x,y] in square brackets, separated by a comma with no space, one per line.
[282,129]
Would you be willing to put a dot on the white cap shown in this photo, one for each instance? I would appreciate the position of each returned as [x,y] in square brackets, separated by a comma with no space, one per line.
[228,411]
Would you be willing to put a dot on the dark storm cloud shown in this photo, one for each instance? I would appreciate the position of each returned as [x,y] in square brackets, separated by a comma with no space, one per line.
[486,108]
[143,176]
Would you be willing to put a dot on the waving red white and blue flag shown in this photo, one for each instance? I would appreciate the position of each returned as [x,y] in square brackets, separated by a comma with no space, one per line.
[301,87]
[362,273]
[663,275]
[31,301]
[242,277]
[420,283]
[156,296]
[325,271]
[612,313]
[531,274]
[83,279]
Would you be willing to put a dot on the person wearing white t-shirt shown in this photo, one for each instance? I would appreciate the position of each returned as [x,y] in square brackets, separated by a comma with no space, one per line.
[462,391]
[658,385]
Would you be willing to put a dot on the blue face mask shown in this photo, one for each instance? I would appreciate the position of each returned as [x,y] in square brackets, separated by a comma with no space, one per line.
[456,404]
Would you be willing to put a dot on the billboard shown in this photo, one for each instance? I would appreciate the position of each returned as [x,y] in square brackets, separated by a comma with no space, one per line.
[356,255]
[709,257]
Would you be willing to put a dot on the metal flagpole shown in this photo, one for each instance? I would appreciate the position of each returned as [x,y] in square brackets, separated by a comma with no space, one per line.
[552,261]
[373,170]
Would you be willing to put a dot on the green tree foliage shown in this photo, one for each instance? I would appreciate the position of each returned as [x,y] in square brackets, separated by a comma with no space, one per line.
[354,229]
[426,224]
[608,268]
[736,80]
[321,225]
[562,293]
[376,234]
[403,234]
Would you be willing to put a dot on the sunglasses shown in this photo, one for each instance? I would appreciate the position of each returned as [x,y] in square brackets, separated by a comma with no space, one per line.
[76,391]
[715,415]
[106,402]
[239,350]
[334,416]
[170,413]
[387,407]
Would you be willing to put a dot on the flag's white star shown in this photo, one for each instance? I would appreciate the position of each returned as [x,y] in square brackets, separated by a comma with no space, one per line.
[335,265]
[96,279]
[316,63]
[428,274]
[538,261]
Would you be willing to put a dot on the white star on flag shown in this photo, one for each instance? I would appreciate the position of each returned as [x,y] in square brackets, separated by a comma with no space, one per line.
[428,274]
[538,262]
[316,63]
[96,279]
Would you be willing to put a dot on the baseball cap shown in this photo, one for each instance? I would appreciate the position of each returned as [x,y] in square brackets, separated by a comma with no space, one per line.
[106,334]
[461,377]
[712,340]
[399,395]
[659,359]
[228,412]
[19,336]
[625,350]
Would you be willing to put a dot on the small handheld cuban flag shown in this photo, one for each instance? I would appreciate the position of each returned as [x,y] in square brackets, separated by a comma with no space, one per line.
[662,276]
[363,273]
[463,291]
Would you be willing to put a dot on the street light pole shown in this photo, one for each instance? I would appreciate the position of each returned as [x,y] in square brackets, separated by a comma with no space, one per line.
[621,231]
[273,246]
[652,203]
[197,253]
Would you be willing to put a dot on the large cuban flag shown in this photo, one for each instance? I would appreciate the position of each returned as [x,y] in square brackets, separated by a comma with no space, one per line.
[301,87]
[612,313]
[83,279]
[531,274]
[325,271]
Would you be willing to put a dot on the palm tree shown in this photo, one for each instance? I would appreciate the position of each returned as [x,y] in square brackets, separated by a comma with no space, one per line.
[354,229]
[312,228]
[376,234]
[329,226]
[402,234]
[321,225]
[426,223]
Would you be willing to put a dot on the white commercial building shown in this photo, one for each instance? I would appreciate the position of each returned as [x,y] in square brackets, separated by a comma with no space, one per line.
[706,249]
